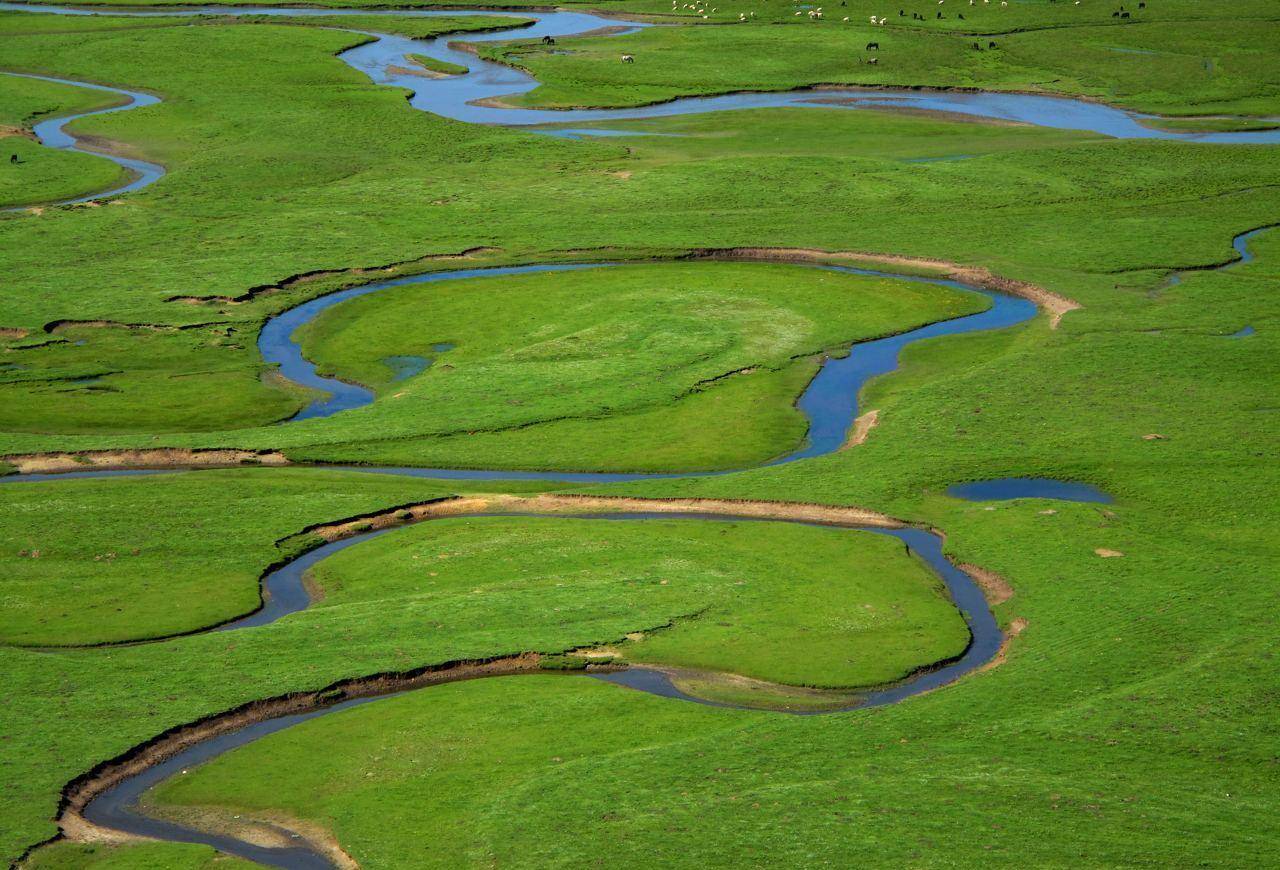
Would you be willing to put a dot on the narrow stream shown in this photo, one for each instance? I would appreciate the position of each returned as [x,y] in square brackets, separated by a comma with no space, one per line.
[52,134]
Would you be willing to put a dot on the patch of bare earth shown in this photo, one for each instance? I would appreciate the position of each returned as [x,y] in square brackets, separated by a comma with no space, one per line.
[164,457]
[996,589]
[1016,627]
[562,503]
[268,830]
[861,429]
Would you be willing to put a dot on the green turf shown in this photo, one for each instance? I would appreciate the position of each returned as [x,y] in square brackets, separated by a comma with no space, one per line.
[24,101]
[87,379]
[43,175]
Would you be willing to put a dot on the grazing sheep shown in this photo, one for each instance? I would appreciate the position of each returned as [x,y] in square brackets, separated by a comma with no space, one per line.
[873,46]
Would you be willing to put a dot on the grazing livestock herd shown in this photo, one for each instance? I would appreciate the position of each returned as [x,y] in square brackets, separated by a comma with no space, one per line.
[699,7]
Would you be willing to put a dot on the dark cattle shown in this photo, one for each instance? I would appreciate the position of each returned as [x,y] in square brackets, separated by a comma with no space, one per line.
[873,46]
[548,40]
[939,14]
[961,16]
[977,47]
[13,158]
[991,45]
[1124,14]
[1142,5]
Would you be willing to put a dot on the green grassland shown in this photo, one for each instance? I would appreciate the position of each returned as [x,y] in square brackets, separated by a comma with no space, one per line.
[139,561]
[24,101]
[45,175]
[1132,723]
[94,380]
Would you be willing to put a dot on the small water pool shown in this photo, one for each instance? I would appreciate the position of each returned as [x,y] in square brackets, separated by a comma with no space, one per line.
[1007,488]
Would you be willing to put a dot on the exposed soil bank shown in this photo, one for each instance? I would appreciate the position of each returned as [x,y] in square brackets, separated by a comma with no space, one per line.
[352,274]
[565,503]
[862,428]
[160,457]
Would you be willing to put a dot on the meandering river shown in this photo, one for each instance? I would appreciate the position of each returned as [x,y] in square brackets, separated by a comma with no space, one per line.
[829,403]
